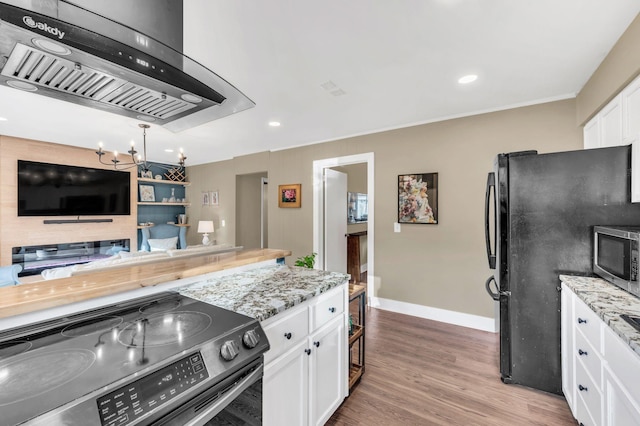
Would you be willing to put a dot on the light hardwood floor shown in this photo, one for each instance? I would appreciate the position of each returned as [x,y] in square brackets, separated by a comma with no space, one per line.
[422,372]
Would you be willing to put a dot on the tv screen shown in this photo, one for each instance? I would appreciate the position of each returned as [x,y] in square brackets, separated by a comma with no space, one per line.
[58,190]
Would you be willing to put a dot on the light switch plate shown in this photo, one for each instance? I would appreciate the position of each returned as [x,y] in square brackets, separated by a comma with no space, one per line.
[396,227]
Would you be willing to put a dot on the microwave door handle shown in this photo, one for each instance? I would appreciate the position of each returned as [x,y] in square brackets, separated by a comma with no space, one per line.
[491,183]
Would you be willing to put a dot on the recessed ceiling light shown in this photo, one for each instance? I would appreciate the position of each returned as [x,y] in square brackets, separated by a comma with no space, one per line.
[168,150]
[468,79]
[274,123]
[3,119]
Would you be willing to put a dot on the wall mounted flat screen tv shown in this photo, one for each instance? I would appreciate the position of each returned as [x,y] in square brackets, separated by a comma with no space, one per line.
[58,190]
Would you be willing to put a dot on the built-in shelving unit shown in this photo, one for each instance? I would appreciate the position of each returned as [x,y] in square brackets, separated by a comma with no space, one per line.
[163,181]
[160,203]
[357,305]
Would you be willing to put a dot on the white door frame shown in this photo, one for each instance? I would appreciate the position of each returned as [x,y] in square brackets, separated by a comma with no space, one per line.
[318,208]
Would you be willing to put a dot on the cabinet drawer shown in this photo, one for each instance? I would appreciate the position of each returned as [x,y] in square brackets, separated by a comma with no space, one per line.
[582,414]
[586,354]
[328,307]
[287,332]
[589,393]
[588,323]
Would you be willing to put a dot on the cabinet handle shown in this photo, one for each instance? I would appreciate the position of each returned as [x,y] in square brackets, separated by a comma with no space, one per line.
[308,351]
[287,335]
[317,344]
[582,388]
[581,321]
[332,309]
[581,352]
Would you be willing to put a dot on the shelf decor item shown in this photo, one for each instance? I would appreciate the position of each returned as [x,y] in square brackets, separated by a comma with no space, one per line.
[147,193]
[418,198]
[289,196]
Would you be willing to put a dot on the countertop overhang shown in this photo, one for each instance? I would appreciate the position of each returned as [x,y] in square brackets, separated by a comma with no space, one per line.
[25,298]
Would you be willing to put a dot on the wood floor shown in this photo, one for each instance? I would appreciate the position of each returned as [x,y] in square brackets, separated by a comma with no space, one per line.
[422,372]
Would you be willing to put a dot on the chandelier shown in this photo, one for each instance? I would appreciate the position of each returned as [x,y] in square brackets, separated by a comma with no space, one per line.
[137,159]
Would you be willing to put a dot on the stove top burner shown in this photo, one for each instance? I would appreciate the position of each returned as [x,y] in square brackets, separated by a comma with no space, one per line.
[157,306]
[41,373]
[9,349]
[164,329]
[91,327]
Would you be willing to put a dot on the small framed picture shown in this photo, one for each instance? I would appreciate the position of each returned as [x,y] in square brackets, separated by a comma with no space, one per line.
[147,193]
[418,198]
[289,196]
[205,198]
[213,198]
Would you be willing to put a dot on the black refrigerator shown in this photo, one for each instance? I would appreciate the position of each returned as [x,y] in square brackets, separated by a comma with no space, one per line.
[540,211]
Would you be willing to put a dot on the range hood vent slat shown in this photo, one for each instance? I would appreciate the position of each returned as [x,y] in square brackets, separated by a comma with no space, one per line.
[47,70]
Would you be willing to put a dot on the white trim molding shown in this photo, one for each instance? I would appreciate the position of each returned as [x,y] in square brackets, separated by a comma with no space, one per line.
[450,317]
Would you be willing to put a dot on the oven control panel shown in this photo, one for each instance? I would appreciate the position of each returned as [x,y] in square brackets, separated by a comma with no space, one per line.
[128,403]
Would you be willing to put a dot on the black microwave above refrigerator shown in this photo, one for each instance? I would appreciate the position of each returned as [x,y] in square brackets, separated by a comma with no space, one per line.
[540,213]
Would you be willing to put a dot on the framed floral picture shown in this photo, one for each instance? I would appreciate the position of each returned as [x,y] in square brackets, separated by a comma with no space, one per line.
[418,198]
[289,195]
[147,193]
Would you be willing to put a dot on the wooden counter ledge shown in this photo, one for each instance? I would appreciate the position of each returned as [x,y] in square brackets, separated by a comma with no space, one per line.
[25,298]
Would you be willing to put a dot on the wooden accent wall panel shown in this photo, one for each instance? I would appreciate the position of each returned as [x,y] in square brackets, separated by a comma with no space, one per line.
[18,231]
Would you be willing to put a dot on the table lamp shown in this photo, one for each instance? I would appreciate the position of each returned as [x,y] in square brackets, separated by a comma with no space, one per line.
[205,227]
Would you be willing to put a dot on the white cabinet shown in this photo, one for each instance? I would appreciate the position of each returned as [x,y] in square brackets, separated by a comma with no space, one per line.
[605,129]
[631,110]
[305,376]
[600,371]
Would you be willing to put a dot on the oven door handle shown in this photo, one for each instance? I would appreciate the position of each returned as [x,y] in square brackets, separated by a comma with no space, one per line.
[221,403]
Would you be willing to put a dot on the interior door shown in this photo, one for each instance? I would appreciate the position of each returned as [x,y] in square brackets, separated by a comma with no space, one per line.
[335,221]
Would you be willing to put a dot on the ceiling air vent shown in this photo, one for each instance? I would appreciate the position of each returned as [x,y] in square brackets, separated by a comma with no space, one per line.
[45,70]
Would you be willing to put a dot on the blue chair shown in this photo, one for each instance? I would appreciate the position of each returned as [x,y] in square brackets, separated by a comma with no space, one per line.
[162,231]
[9,275]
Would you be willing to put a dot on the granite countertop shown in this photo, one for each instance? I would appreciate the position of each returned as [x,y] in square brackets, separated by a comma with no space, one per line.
[608,302]
[264,292]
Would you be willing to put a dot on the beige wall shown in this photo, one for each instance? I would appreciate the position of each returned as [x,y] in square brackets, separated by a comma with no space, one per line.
[248,209]
[620,66]
[17,231]
[444,265]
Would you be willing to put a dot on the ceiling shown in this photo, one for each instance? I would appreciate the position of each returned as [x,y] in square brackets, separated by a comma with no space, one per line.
[393,64]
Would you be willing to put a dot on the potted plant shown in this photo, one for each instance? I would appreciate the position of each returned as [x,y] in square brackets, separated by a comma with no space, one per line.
[307,261]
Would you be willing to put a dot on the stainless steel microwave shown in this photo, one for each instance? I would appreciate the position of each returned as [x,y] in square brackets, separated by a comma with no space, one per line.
[615,256]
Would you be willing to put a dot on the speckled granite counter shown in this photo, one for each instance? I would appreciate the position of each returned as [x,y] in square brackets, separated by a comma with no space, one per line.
[262,293]
[608,302]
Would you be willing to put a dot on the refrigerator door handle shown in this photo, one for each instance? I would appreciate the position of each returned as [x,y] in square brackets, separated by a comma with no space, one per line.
[495,296]
[491,183]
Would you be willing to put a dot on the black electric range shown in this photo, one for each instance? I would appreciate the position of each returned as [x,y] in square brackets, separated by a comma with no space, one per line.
[131,363]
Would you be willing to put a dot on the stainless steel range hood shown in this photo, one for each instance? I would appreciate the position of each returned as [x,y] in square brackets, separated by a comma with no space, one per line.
[61,50]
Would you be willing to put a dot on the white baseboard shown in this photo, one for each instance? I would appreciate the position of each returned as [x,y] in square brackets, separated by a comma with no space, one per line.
[436,314]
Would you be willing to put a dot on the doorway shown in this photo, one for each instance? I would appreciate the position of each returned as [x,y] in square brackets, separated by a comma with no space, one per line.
[319,221]
[251,210]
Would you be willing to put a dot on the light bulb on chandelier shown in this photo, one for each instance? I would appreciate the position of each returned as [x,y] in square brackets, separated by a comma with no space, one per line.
[137,160]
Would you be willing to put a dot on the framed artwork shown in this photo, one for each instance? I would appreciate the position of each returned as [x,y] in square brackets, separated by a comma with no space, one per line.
[289,195]
[147,174]
[418,198]
[213,198]
[147,193]
[205,198]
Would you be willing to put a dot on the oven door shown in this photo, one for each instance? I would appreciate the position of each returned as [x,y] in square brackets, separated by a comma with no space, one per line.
[237,400]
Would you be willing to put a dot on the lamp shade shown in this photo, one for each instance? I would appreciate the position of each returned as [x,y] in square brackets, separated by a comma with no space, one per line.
[205,226]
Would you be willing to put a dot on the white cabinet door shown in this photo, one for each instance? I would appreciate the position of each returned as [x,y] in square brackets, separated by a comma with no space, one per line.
[286,388]
[327,373]
[631,110]
[591,134]
[611,123]
[621,411]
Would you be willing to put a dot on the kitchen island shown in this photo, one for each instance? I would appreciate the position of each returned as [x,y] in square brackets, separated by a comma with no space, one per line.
[124,282]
